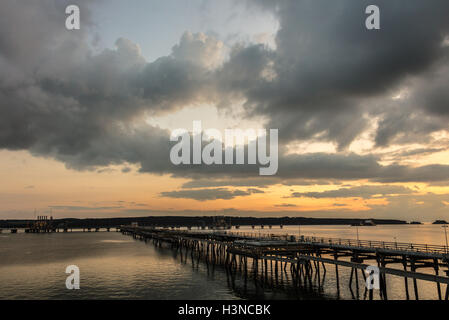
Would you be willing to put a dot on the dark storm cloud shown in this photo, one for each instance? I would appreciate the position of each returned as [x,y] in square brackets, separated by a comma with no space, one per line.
[327,74]
[328,65]
[307,169]
[399,173]
[422,111]
[59,99]
[354,167]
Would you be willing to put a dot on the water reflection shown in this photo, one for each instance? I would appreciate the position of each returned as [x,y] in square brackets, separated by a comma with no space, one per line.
[114,266]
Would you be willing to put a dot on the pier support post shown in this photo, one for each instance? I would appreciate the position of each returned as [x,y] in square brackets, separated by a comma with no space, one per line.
[415,285]
[404,263]
[435,265]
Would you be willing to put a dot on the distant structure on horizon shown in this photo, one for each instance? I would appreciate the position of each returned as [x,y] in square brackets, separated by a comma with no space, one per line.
[42,224]
[440,222]
[366,223]
[220,223]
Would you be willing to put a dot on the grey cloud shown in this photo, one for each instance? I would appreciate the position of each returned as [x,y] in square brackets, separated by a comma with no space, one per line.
[339,205]
[305,169]
[126,170]
[355,167]
[199,49]
[248,213]
[329,65]
[81,208]
[209,194]
[428,173]
[356,192]
[422,110]
[305,182]
[260,182]
[420,151]
[254,190]
[60,100]
[286,205]
[427,207]
[405,124]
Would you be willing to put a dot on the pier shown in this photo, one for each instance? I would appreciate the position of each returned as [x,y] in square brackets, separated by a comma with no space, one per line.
[268,258]
[58,229]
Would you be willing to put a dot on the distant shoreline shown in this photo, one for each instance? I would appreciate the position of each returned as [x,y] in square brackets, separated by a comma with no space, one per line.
[184,221]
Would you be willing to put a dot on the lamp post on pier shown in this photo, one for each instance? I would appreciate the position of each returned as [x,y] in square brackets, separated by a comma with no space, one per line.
[357,232]
[445,235]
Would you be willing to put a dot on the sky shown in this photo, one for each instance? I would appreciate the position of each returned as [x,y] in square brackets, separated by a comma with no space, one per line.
[362,115]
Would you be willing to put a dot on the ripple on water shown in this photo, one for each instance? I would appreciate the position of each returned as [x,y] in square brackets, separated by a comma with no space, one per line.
[116,241]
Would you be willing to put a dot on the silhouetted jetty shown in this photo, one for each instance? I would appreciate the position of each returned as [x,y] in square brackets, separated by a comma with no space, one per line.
[268,258]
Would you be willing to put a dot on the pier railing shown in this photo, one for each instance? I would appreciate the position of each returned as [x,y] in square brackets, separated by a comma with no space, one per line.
[399,246]
[372,244]
[352,243]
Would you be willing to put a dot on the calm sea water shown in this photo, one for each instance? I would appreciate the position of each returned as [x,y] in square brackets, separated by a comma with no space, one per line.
[114,266]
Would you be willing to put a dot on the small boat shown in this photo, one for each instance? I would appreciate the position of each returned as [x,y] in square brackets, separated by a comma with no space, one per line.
[369,223]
